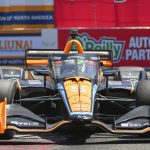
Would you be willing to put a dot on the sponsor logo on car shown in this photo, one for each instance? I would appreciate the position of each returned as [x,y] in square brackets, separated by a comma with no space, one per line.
[11,74]
[25,123]
[131,124]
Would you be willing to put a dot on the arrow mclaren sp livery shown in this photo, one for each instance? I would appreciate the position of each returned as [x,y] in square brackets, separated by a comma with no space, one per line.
[74,93]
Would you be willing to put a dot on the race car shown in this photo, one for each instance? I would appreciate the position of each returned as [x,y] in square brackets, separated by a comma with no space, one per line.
[72,96]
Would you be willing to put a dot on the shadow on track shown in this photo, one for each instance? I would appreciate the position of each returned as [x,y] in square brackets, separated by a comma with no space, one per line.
[75,138]
[89,137]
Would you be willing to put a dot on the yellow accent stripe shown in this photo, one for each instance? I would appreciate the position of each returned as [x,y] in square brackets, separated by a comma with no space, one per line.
[26,8]
[19,31]
[27,26]
[107,63]
[37,62]
[132,89]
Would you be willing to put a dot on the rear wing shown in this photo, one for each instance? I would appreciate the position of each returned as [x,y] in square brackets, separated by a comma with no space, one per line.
[39,57]
[35,57]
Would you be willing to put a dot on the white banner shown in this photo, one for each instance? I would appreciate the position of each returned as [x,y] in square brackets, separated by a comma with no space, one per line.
[45,39]
[13,44]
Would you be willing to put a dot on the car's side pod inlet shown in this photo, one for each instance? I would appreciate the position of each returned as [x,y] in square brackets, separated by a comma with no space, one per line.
[70,43]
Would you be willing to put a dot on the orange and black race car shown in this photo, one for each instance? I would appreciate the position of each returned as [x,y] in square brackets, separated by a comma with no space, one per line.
[72,95]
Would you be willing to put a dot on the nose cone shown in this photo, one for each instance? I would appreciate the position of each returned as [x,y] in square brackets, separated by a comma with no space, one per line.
[78,94]
[81,116]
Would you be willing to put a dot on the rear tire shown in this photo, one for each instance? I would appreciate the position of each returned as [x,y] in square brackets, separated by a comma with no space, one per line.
[143,92]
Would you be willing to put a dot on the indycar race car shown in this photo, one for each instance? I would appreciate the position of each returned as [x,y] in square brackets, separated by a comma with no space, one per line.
[72,94]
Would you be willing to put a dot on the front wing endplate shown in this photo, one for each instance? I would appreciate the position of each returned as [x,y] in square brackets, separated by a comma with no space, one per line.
[3,116]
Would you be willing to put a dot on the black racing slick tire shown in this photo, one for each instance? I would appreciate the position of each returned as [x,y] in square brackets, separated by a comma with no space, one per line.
[143,92]
[9,89]
[9,134]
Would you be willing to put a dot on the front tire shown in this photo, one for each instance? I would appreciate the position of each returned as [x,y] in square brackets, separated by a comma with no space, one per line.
[9,89]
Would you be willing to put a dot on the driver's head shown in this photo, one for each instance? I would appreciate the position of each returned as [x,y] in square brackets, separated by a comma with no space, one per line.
[70,64]
[81,65]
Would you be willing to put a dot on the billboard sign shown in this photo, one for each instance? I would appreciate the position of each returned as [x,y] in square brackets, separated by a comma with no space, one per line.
[27,14]
[130,46]
[14,42]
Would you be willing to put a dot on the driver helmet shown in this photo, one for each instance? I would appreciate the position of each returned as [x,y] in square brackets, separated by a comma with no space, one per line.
[70,62]
[81,65]
[69,65]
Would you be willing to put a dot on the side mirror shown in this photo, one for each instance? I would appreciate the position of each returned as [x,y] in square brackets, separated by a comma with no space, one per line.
[101,63]
[110,73]
[41,72]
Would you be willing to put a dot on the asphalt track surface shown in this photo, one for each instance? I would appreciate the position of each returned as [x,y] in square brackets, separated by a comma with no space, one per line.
[94,141]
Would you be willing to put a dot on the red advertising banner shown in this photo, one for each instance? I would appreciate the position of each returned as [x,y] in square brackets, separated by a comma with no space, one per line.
[101,13]
[130,46]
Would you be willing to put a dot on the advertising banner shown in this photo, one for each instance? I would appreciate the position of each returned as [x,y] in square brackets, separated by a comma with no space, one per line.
[14,42]
[102,13]
[26,14]
[130,46]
